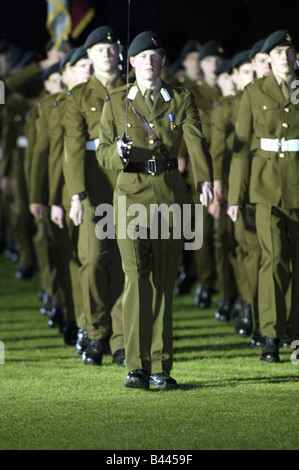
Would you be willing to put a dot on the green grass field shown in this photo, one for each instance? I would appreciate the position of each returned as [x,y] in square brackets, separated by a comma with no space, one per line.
[228,398]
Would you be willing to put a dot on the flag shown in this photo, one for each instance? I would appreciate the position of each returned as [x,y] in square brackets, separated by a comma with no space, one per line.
[81,13]
[59,22]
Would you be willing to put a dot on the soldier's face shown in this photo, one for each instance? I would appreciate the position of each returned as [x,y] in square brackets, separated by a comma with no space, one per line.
[208,66]
[82,70]
[282,59]
[226,84]
[243,75]
[54,83]
[148,64]
[104,57]
[191,63]
[261,65]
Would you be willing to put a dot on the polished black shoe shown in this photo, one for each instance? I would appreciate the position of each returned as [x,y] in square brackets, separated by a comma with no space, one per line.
[82,341]
[237,307]
[24,273]
[138,378]
[93,353]
[56,318]
[285,342]
[224,310]
[163,381]
[70,332]
[119,358]
[185,284]
[46,301]
[202,297]
[257,340]
[243,321]
[270,350]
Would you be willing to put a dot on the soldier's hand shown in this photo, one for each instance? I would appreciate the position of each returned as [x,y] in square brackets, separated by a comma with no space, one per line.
[218,193]
[233,212]
[57,213]
[37,210]
[76,212]
[207,195]
[182,164]
[120,145]
[214,209]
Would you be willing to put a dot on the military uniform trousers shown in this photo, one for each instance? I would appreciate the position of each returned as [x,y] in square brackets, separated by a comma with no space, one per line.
[224,246]
[278,234]
[102,280]
[248,256]
[74,267]
[150,267]
[23,222]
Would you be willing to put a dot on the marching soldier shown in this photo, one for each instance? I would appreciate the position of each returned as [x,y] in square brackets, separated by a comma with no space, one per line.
[76,69]
[159,116]
[89,186]
[206,95]
[264,171]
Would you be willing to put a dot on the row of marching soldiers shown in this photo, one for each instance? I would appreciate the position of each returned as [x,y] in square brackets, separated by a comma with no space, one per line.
[52,112]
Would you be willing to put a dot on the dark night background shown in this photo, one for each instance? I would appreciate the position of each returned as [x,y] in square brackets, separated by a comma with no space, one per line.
[236,24]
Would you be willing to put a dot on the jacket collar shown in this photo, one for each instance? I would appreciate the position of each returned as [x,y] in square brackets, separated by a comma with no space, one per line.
[162,102]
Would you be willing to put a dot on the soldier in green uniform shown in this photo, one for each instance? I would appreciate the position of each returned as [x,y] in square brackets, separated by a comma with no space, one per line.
[149,175]
[188,71]
[38,202]
[88,186]
[59,199]
[206,95]
[265,170]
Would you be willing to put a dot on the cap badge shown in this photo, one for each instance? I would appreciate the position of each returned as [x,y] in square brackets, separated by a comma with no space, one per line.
[288,38]
[154,42]
[109,37]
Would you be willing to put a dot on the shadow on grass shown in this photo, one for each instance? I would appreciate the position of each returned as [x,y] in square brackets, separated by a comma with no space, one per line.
[279,379]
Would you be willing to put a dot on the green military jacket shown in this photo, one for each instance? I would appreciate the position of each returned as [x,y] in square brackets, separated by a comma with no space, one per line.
[223,122]
[12,133]
[39,182]
[56,150]
[205,98]
[82,172]
[166,187]
[271,177]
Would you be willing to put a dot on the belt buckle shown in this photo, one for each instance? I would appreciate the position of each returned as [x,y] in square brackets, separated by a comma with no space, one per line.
[279,144]
[152,166]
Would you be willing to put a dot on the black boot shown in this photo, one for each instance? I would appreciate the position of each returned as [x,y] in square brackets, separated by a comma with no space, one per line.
[70,332]
[257,339]
[270,350]
[82,341]
[56,318]
[202,297]
[224,310]
[243,321]
[94,351]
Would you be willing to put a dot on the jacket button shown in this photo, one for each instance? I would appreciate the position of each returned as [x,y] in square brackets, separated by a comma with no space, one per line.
[93,109]
[281,155]
[284,124]
[151,141]
[286,110]
[151,124]
[264,107]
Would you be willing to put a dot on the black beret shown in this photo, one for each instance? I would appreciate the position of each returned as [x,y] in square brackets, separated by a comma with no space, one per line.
[224,67]
[148,40]
[278,38]
[256,48]
[211,48]
[190,46]
[240,58]
[55,68]
[80,53]
[65,59]
[104,34]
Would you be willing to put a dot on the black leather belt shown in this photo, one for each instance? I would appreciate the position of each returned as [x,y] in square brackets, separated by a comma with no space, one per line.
[152,166]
